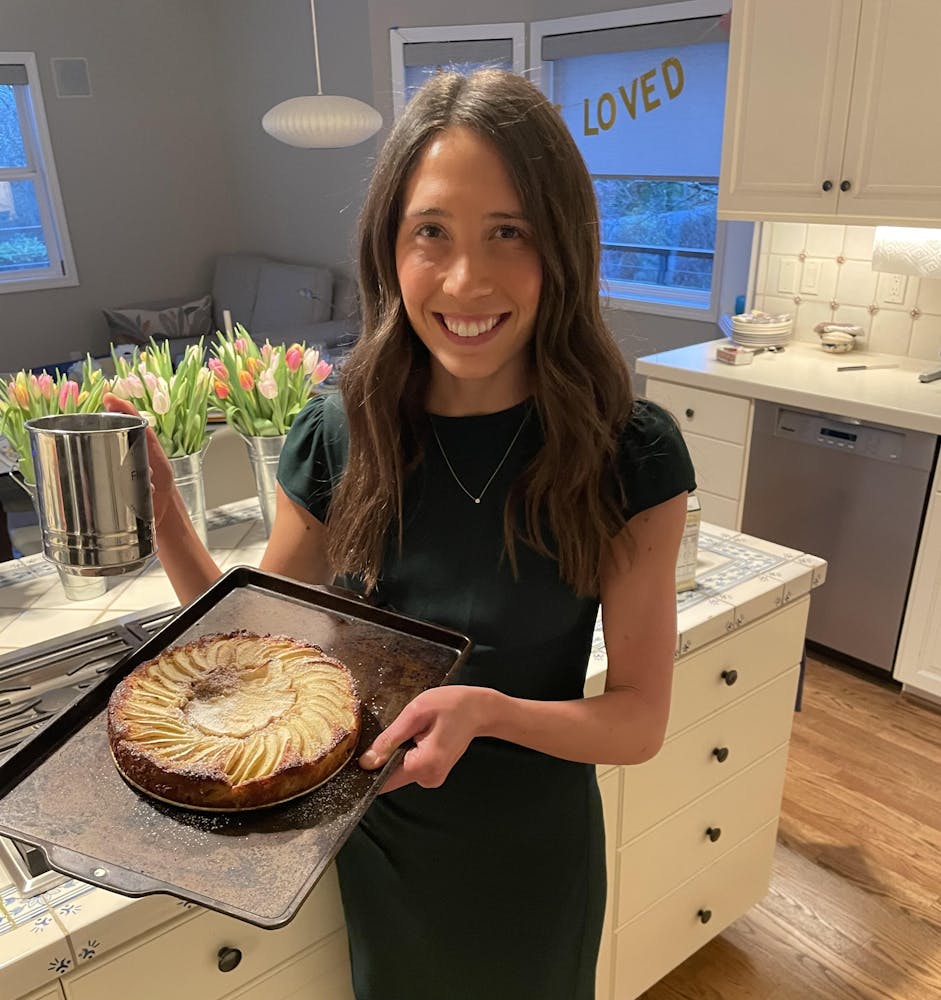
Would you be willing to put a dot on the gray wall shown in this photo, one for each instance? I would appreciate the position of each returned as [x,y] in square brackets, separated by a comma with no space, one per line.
[166,165]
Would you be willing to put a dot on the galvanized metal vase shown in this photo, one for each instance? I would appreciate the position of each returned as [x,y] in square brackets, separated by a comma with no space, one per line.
[77,588]
[188,476]
[263,454]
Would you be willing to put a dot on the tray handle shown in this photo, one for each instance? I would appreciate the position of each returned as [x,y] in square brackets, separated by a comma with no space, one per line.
[101,874]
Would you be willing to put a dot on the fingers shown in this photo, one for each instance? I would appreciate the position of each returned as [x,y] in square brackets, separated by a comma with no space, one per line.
[114,404]
[405,726]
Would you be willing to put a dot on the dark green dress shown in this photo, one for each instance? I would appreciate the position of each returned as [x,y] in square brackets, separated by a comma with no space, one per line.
[491,887]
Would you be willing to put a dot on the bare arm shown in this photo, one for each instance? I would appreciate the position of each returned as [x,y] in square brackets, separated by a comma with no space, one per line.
[625,725]
[298,544]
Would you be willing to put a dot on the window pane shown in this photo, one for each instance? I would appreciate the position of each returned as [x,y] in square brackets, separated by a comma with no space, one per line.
[22,244]
[12,153]
[415,76]
[657,232]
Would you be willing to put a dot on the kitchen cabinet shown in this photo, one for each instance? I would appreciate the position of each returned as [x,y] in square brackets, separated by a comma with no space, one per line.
[53,992]
[825,117]
[918,661]
[717,431]
[217,957]
[696,826]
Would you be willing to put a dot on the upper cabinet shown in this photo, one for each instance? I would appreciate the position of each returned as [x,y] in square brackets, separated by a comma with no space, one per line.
[831,113]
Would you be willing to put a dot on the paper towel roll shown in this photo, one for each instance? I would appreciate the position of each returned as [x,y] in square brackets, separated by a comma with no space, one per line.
[907,251]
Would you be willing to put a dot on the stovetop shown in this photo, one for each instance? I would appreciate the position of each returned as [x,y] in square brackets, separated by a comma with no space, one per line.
[36,684]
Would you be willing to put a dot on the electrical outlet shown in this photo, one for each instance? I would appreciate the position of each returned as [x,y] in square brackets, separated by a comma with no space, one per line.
[895,289]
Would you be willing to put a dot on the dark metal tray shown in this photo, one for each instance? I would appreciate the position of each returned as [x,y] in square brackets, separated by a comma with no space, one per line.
[61,791]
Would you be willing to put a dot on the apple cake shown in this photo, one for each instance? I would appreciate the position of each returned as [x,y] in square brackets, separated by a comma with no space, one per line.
[234,721]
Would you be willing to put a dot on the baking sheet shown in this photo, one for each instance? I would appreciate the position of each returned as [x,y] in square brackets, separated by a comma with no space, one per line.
[62,792]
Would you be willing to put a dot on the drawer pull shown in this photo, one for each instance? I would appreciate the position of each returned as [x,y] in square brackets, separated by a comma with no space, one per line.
[704,916]
[729,676]
[229,958]
[690,413]
[714,833]
[721,754]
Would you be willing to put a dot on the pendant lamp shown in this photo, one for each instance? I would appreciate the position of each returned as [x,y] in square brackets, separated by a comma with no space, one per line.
[321,121]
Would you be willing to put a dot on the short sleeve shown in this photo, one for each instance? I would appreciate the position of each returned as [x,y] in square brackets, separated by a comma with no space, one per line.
[653,462]
[314,454]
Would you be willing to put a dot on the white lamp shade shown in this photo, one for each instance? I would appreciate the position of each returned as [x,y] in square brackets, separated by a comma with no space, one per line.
[322,122]
[900,250]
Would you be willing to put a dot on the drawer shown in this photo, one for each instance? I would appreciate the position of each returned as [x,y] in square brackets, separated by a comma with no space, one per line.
[755,653]
[657,941]
[710,413]
[652,865]
[719,465]
[687,766]
[190,948]
[720,511]
[322,971]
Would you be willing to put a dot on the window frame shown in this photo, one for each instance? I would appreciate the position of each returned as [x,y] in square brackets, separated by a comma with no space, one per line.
[636,296]
[41,170]
[515,31]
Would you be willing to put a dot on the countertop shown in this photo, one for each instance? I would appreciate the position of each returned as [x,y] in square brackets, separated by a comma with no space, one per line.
[739,580]
[803,375]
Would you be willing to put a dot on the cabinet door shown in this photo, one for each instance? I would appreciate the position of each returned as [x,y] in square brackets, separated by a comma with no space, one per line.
[918,663]
[893,140]
[609,785]
[787,101]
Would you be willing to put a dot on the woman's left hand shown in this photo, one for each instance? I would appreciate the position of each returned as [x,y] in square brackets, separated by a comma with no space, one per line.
[441,721]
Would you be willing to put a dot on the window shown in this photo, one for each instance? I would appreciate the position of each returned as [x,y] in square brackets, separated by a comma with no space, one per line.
[418,53]
[643,92]
[34,244]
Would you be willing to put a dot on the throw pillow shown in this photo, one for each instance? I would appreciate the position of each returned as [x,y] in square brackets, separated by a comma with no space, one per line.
[137,324]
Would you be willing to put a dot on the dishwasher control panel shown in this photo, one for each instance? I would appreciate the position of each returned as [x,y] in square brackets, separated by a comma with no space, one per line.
[841,435]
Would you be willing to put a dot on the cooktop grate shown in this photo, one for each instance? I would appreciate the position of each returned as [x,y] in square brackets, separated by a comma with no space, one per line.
[36,684]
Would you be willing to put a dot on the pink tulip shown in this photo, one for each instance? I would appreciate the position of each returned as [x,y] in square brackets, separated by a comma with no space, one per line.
[150,380]
[320,372]
[135,387]
[266,351]
[69,389]
[45,385]
[294,357]
[217,368]
[267,385]
[240,344]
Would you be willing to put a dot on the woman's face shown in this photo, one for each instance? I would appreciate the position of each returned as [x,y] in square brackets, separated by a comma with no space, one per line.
[470,274]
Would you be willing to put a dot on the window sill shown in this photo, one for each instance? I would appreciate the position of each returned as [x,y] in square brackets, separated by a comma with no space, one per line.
[39,284]
[698,314]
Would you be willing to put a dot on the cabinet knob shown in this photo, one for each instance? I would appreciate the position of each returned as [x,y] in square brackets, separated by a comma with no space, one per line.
[704,916]
[690,413]
[714,833]
[229,958]
[827,185]
[721,754]
[730,676]
[845,186]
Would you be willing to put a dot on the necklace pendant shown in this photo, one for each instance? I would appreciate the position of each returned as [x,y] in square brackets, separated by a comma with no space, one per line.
[476,499]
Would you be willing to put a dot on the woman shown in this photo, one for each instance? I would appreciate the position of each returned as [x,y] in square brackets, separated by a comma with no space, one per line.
[485,467]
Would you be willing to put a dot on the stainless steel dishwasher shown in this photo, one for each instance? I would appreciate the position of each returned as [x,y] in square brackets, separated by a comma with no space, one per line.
[853,493]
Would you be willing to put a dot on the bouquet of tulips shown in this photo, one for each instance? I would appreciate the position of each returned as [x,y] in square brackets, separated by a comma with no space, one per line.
[262,389]
[28,395]
[173,401]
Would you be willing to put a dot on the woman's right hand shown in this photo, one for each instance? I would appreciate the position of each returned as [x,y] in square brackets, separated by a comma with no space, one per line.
[162,484]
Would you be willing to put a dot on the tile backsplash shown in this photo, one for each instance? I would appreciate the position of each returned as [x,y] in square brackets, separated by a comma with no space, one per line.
[824,274]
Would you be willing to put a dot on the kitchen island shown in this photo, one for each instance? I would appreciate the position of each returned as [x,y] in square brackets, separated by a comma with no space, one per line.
[690,834]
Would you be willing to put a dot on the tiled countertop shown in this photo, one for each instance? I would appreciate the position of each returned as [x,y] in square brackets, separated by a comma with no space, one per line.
[739,580]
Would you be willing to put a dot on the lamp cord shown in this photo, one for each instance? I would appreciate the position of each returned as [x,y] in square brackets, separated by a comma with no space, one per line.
[313,19]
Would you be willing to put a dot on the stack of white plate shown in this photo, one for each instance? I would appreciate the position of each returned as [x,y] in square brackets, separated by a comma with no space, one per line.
[758,329]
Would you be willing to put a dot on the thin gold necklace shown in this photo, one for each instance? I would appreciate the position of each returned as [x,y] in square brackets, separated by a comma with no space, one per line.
[506,455]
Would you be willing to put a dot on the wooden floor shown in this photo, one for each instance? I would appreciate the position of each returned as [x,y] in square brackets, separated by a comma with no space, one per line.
[854,910]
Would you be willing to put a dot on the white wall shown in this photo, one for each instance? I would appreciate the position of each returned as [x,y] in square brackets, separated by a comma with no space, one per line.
[823,274]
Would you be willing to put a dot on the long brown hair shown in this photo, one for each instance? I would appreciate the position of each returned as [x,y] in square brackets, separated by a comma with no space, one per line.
[582,394]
